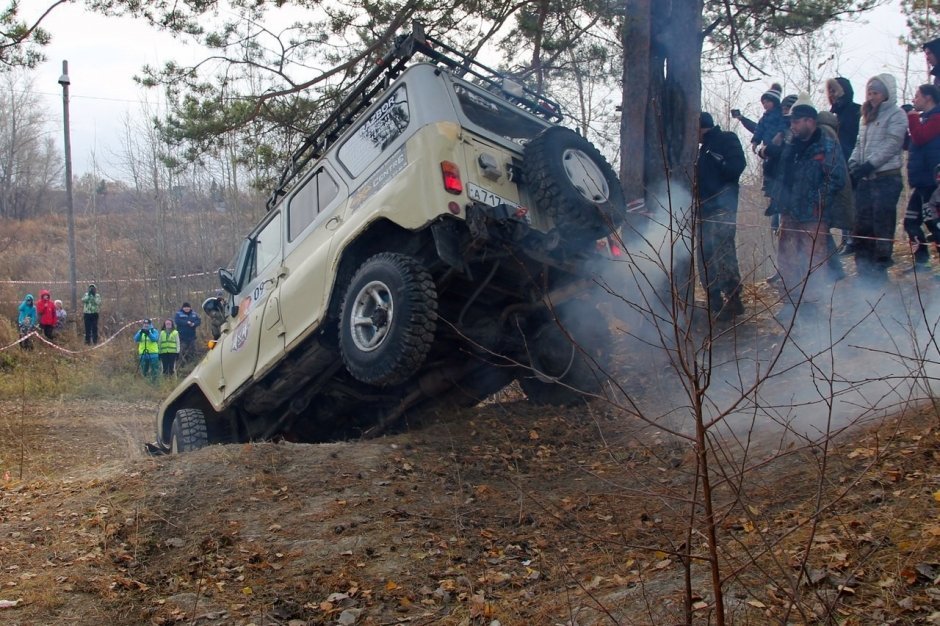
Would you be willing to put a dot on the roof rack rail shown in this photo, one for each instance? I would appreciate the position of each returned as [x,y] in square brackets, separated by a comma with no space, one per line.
[377,79]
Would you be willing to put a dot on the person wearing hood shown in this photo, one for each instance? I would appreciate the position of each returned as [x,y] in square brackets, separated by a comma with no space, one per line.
[46,310]
[848,115]
[932,52]
[27,308]
[875,170]
[148,350]
[923,157]
[91,306]
[812,172]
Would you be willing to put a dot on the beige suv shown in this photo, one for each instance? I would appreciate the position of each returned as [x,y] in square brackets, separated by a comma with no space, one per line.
[428,244]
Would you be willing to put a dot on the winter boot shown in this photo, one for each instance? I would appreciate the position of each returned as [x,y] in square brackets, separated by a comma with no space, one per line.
[733,307]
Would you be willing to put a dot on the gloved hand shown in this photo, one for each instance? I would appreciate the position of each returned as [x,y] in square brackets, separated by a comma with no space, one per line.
[907,107]
[718,157]
[859,172]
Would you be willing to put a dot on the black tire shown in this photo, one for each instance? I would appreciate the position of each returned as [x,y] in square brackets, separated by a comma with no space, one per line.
[188,431]
[562,371]
[384,344]
[572,181]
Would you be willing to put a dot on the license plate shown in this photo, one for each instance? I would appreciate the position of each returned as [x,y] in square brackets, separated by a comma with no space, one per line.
[488,197]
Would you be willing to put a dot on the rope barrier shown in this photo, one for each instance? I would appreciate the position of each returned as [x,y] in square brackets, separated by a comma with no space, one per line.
[104,281]
[42,338]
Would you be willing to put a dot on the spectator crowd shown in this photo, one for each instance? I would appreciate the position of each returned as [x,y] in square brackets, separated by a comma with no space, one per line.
[158,350]
[823,171]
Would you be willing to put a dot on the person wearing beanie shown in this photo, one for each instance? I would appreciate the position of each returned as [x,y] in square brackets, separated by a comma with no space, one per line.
[91,306]
[787,103]
[811,173]
[720,164]
[875,170]
[187,321]
[932,52]
[923,156]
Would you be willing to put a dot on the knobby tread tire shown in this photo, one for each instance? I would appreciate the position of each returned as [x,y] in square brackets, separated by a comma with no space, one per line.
[414,322]
[579,220]
[189,430]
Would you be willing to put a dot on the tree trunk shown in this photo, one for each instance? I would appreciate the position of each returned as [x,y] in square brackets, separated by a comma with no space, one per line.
[636,82]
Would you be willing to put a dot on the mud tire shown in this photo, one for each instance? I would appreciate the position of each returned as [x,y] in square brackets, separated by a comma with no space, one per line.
[188,431]
[571,181]
[385,344]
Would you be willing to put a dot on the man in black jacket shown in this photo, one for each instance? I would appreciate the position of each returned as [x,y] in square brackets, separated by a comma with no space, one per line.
[720,163]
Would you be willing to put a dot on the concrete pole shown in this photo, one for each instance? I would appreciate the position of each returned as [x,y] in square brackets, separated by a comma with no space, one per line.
[64,81]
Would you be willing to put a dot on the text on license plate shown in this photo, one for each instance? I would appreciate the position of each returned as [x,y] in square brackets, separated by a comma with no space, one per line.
[488,197]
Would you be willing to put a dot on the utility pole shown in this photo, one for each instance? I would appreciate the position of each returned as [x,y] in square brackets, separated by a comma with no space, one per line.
[64,81]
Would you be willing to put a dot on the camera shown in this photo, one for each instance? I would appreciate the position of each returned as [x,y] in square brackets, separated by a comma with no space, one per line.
[735,112]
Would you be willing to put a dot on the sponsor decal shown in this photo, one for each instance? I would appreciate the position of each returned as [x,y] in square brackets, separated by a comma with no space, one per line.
[382,176]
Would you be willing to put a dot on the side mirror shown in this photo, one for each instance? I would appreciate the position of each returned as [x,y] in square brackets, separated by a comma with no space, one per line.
[228,281]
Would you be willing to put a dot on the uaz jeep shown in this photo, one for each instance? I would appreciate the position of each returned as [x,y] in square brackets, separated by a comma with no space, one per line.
[423,246]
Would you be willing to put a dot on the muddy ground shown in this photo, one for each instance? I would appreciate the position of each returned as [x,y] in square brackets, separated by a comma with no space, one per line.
[505,514]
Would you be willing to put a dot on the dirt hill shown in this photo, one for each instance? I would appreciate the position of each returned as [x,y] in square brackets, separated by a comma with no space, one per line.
[502,514]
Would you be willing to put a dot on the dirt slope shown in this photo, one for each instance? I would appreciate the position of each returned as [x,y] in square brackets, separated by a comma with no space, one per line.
[504,513]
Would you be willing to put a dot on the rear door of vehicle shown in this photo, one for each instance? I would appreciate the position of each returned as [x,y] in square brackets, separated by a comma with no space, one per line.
[314,212]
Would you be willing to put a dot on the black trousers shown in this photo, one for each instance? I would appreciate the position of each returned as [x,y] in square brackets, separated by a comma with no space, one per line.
[168,360]
[91,327]
[914,217]
[876,216]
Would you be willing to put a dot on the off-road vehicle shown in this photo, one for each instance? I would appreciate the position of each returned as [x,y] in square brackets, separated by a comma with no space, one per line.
[426,245]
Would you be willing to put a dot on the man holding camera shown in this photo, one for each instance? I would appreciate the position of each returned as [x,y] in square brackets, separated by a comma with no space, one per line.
[148,350]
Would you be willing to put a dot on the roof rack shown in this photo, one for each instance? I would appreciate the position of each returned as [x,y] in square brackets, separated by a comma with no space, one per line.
[377,80]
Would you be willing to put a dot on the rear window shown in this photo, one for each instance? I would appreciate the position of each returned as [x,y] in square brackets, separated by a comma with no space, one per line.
[381,128]
[497,117]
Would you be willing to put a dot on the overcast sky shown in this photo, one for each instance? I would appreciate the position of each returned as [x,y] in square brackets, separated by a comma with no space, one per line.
[105,53]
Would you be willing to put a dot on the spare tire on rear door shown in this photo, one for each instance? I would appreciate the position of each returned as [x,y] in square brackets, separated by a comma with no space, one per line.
[572,181]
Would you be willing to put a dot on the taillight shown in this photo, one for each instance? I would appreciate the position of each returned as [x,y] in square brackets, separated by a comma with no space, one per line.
[451,174]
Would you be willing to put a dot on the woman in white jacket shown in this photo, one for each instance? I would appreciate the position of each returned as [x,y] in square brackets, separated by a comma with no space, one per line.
[875,169]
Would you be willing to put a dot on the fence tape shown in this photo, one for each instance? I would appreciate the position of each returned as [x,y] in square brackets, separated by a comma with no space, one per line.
[42,338]
[104,281]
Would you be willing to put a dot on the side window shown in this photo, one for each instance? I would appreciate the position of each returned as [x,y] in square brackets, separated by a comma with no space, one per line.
[380,129]
[304,206]
[267,245]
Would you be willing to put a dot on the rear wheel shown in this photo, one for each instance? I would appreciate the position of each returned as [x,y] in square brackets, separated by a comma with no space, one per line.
[188,431]
[573,182]
[388,319]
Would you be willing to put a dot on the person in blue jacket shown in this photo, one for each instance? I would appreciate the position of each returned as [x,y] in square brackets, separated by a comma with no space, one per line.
[186,321]
[27,309]
[148,350]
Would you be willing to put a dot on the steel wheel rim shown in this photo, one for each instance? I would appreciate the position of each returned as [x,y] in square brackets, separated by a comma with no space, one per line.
[585,176]
[371,316]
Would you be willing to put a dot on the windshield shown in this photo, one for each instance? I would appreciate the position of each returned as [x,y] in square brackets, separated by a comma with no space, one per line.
[497,117]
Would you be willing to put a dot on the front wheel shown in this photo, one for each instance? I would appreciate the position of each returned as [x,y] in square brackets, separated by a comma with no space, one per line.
[387,319]
[188,432]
